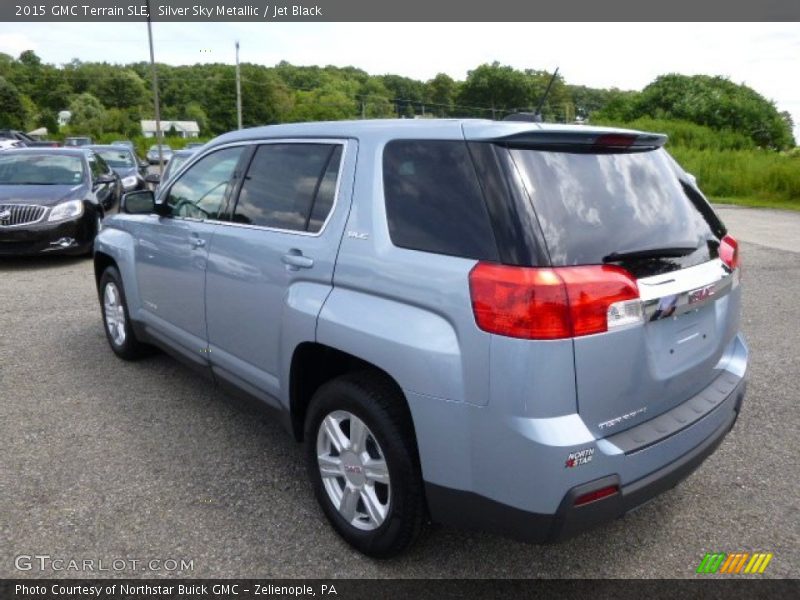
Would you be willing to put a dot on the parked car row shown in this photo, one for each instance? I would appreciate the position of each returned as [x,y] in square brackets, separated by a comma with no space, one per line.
[88,179]
[23,139]
[53,200]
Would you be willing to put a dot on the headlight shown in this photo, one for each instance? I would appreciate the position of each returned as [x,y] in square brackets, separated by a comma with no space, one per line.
[66,210]
[129,182]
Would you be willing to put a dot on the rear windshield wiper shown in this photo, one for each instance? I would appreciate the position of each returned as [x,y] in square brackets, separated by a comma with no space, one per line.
[670,252]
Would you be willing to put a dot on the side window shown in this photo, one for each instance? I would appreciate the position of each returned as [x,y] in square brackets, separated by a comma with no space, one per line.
[200,192]
[433,199]
[290,186]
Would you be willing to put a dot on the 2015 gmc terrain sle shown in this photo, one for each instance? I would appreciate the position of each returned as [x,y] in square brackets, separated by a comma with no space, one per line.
[516,327]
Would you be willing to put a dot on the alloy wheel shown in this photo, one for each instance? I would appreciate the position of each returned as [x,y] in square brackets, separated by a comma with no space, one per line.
[114,313]
[354,470]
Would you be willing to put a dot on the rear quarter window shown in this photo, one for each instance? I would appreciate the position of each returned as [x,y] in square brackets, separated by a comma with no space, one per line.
[433,199]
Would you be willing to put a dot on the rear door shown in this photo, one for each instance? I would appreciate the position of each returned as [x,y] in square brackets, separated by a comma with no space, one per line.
[631,209]
[271,267]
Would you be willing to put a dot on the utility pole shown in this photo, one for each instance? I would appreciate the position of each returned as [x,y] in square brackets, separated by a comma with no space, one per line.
[238,88]
[159,137]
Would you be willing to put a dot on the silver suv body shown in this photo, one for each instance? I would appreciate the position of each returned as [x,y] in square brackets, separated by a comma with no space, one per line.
[516,327]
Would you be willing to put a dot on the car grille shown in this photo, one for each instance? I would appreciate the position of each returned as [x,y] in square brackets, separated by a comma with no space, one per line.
[20,214]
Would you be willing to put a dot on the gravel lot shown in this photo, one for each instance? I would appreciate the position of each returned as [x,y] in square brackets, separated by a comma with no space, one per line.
[101,459]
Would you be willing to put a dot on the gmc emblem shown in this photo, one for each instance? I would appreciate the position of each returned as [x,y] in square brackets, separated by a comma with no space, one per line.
[701,294]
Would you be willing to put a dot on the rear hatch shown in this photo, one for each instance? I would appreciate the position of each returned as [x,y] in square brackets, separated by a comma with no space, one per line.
[620,200]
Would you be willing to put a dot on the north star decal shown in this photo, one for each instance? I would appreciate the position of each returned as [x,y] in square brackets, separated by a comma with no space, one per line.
[581,457]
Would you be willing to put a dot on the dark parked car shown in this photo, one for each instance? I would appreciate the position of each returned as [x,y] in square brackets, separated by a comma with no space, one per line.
[178,158]
[53,200]
[124,163]
[153,155]
[72,142]
[194,145]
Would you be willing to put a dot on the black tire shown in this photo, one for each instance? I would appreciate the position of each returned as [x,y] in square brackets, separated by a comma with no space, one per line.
[380,405]
[130,348]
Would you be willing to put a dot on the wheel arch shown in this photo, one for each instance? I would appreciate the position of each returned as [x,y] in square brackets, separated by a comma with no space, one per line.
[314,364]
[101,262]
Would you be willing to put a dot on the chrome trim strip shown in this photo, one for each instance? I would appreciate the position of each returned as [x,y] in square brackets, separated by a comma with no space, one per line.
[260,142]
[678,292]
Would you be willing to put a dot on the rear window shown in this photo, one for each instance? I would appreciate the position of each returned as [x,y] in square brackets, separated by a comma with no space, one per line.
[434,201]
[591,206]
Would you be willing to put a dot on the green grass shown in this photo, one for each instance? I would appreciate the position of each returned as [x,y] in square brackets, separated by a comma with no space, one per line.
[758,203]
[763,177]
[728,167]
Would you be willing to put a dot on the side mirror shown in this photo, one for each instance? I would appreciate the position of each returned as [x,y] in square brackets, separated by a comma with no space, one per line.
[139,203]
[143,164]
[104,179]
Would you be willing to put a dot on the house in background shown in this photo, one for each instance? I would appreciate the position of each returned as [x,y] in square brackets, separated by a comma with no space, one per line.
[184,129]
[63,117]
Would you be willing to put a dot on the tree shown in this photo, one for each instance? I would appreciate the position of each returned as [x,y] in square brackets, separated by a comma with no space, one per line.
[88,115]
[122,121]
[495,87]
[29,59]
[558,104]
[620,106]
[120,88]
[265,98]
[441,93]
[406,93]
[194,112]
[326,104]
[718,103]
[12,115]
[374,100]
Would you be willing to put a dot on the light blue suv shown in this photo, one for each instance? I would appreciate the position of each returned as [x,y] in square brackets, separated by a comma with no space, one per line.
[515,327]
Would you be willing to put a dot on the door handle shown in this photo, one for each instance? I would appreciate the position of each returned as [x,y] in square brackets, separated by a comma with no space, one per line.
[197,243]
[295,260]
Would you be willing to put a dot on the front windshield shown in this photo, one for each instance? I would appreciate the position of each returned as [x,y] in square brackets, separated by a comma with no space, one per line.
[41,169]
[117,158]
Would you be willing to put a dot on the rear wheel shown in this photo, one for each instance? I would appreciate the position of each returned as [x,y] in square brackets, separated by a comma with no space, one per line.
[117,322]
[362,460]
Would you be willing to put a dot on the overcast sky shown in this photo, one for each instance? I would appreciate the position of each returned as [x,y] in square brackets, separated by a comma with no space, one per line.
[765,56]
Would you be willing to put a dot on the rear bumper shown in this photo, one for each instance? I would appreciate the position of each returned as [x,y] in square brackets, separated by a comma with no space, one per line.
[469,510]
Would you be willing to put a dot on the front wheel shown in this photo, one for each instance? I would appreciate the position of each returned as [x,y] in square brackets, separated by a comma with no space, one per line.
[362,459]
[116,319]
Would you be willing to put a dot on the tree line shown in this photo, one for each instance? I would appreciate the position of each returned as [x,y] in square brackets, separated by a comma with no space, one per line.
[105,98]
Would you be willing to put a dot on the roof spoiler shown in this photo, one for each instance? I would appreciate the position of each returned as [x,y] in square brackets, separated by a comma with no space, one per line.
[587,141]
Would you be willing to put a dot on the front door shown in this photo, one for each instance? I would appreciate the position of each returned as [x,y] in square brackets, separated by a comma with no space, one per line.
[172,251]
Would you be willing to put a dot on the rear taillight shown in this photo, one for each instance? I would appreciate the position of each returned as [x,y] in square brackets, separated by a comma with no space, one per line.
[553,303]
[729,252]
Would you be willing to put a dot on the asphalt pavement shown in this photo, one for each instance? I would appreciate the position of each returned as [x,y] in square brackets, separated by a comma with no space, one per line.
[104,460]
